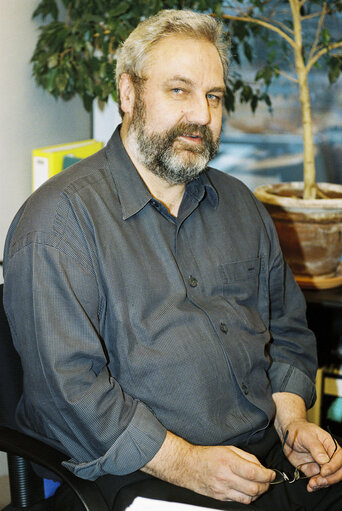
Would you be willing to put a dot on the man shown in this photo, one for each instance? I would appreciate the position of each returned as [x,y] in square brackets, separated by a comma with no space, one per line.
[160,330]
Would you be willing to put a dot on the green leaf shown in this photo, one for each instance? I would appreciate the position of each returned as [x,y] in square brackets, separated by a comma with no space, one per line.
[114,95]
[61,81]
[334,69]
[238,85]
[229,100]
[272,55]
[50,82]
[266,74]
[265,97]
[259,75]
[254,102]
[46,8]
[240,31]
[73,55]
[246,94]
[121,8]
[53,61]
[325,36]
[87,102]
[218,10]
[248,51]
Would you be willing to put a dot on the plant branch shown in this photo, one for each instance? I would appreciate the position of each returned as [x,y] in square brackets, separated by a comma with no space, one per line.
[319,54]
[298,39]
[65,52]
[274,9]
[287,76]
[280,24]
[317,14]
[111,50]
[304,97]
[318,31]
[310,16]
[257,21]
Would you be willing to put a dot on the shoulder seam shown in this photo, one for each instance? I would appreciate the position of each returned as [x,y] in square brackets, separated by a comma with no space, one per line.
[80,261]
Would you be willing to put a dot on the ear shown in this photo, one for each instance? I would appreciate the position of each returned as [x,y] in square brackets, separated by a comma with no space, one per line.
[127,93]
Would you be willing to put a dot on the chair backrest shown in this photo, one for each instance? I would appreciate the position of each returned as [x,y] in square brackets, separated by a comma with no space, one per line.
[11,374]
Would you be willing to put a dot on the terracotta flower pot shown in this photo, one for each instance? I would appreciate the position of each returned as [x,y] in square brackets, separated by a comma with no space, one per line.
[310,231]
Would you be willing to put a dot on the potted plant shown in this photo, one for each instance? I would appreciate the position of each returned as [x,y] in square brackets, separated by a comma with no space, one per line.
[308,216]
[75,54]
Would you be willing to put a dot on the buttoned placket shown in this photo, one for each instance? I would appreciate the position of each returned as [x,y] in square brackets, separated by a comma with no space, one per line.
[192,278]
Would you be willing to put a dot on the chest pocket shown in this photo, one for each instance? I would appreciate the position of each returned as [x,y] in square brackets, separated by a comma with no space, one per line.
[242,288]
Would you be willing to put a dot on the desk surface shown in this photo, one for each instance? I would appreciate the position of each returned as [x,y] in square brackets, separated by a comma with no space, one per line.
[325,297]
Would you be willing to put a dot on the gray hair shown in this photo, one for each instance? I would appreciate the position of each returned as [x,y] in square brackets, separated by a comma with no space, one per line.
[133,53]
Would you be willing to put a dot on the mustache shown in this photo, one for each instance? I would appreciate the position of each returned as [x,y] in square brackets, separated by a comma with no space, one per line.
[190,130]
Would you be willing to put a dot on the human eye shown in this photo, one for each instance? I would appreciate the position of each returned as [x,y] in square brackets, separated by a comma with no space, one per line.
[214,98]
[178,91]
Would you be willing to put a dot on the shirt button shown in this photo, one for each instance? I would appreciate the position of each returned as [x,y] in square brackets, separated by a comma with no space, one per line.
[223,328]
[244,389]
[192,281]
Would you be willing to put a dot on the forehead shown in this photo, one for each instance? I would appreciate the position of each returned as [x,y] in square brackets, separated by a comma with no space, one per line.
[195,59]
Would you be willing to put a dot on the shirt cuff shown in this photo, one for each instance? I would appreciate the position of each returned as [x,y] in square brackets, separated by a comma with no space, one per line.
[286,378]
[135,447]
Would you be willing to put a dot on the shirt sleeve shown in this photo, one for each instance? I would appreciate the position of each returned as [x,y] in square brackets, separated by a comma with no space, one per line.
[54,308]
[293,348]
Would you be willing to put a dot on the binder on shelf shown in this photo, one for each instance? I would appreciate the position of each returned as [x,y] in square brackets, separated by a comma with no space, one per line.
[48,161]
[69,160]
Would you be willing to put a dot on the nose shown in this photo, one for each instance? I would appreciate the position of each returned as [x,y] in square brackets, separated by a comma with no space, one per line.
[198,111]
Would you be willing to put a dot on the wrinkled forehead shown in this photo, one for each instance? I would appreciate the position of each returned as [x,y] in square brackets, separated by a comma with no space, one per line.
[181,54]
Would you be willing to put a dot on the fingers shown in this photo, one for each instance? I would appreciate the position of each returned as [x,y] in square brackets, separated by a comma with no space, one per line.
[232,474]
[249,479]
[319,482]
[239,488]
[310,443]
[252,471]
[319,452]
[240,497]
[334,465]
[331,472]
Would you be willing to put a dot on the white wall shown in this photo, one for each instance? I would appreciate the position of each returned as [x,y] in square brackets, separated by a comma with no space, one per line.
[106,117]
[29,116]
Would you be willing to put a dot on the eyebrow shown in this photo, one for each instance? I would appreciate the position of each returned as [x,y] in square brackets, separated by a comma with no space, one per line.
[187,81]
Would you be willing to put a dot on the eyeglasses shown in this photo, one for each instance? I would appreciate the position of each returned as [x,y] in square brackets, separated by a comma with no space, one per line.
[282,477]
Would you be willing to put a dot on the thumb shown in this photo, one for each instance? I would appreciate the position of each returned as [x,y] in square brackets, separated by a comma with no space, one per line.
[318,453]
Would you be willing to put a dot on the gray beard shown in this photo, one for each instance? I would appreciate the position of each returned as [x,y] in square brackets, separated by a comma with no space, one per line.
[157,152]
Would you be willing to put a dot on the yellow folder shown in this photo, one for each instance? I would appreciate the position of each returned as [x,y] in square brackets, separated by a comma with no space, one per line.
[48,161]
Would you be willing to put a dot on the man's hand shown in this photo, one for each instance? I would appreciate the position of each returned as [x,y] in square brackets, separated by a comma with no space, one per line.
[221,472]
[307,442]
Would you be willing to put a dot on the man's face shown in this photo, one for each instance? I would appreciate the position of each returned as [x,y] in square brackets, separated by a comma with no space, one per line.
[177,114]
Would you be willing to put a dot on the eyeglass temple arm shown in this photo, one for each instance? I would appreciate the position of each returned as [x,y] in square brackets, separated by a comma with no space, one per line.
[334,439]
[285,438]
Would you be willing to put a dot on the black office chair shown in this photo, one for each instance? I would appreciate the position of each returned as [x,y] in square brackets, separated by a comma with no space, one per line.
[26,487]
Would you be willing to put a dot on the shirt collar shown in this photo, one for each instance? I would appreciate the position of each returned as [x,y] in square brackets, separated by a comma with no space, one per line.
[132,191]
[202,187]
